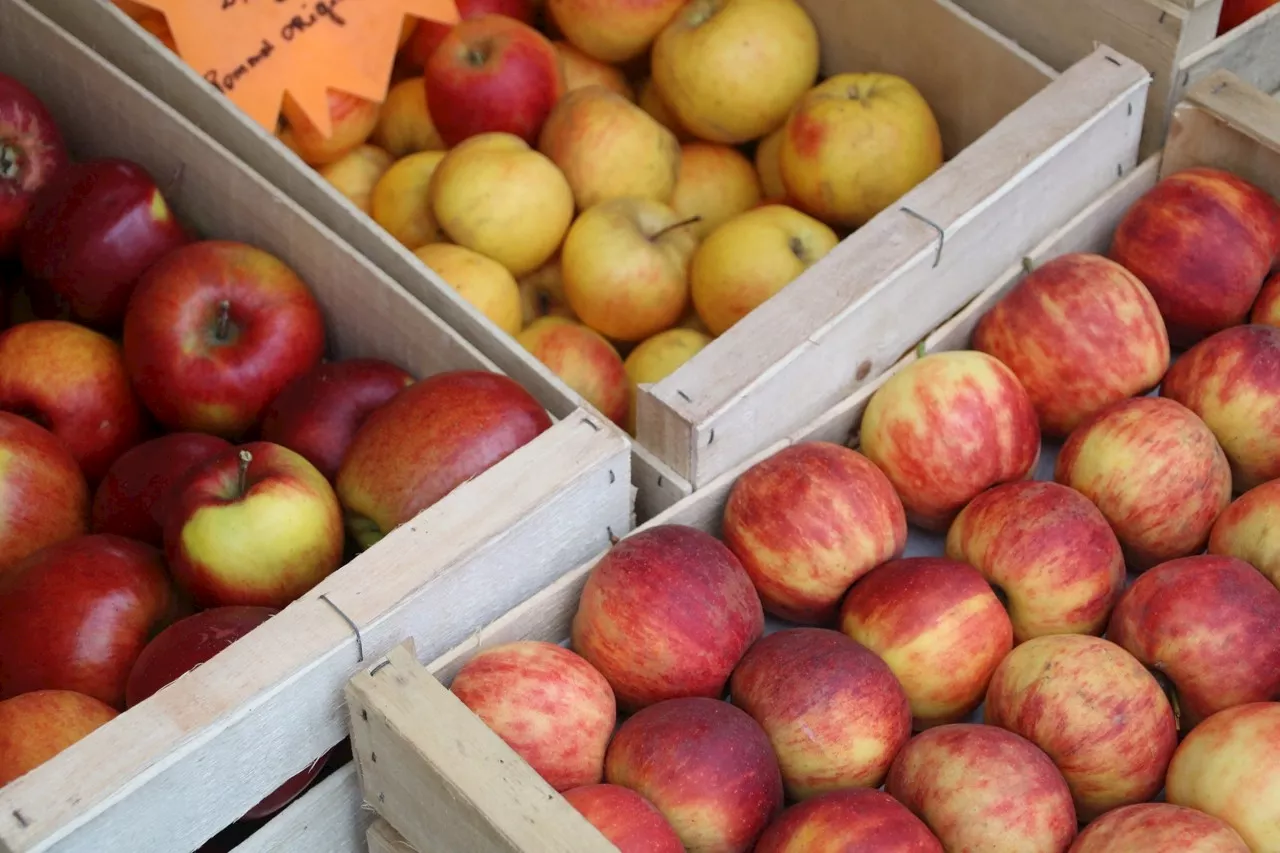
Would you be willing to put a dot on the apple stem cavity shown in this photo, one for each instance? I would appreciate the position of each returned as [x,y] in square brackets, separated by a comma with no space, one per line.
[246,458]
[477,55]
[673,226]
[9,160]
[223,326]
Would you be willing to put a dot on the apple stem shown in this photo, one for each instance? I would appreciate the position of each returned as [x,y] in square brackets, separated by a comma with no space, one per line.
[224,320]
[8,161]
[245,459]
[673,226]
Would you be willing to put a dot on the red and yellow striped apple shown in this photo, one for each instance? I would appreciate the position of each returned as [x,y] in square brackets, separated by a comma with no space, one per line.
[628,820]
[584,359]
[1249,529]
[851,821]
[43,495]
[32,153]
[1158,828]
[1266,308]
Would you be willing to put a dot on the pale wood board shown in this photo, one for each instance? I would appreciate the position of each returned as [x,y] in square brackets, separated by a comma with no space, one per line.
[383,839]
[1251,51]
[329,818]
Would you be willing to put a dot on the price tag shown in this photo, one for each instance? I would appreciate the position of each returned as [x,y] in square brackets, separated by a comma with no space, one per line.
[254,51]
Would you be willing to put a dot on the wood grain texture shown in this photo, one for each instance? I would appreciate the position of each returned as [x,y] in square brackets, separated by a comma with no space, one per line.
[330,818]
[383,839]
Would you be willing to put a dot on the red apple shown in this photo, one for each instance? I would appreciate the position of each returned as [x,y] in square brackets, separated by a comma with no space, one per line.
[1048,551]
[1266,308]
[1035,329]
[947,427]
[214,332]
[1158,828]
[984,788]
[428,35]
[318,413]
[43,495]
[1155,471]
[32,153]
[30,299]
[135,494]
[186,644]
[1202,241]
[72,380]
[809,521]
[834,712]
[1236,12]
[36,726]
[493,74]
[625,818]
[253,525]
[1249,529]
[706,765]
[667,613]
[76,615]
[854,821]
[94,229]
[940,628]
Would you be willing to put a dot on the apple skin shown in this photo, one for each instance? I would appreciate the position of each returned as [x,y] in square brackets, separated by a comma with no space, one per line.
[1231,381]
[628,820]
[1022,805]
[192,378]
[263,537]
[1095,710]
[940,628]
[73,381]
[133,497]
[1266,308]
[1202,241]
[195,640]
[1158,828]
[36,726]
[102,586]
[549,705]
[43,495]
[1035,329]
[1229,767]
[426,441]
[584,359]
[94,229]
[614,32]
[428,35]
[832,710]
[706,765]
[852,821]
[1208,624]
[32,153]
[1249,529]
[1237,12]
[1048,550]
[946,428]
[318,413]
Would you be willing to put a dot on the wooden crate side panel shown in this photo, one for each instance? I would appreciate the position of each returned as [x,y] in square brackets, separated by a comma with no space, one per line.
[383,839]
[330,818]
[1251,52]
[1228,123]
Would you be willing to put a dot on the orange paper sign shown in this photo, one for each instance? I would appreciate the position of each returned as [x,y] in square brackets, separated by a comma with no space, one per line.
[254,51]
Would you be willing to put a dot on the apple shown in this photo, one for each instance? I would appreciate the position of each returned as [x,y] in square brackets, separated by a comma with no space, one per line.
[1249,529]
[1095,710]
[542,293]
[195,640]
[32,153]
[401,200]
[36,726]
[768,163]
[497,196]
[1202,241]
[43,495]
[428,35]
[93,230]
[404,122]
[481,281]
[609,148]
[612,32]
[731,70]
[356,174]
[853,821]
[716,184]
[809,521]
[626,819]
[946,428]
[1048,552]
[1155,471]
[429,439]
[668,612]
[1229,767]
[353,119]
[1266,308]
[137,491]
[648,99]
[1237,12]
[72,381]
[214,332]
[940,628]
[586,362]
[31,299]
[492,74]
[625,267]
[581,70]
[833,711]
[75,616]
[549,705]
[855,144]
[750,257]
[656,358]
[254,525]
[1035,329]
[706,765]
[1158,828]
[317,414]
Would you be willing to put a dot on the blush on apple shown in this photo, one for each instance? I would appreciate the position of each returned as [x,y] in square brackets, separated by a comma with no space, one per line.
[36,726]
[629,821]
[1158,828]
[428,35]
[852,821]
[1266,308]
[32,153]
[1249,529]
[43,495]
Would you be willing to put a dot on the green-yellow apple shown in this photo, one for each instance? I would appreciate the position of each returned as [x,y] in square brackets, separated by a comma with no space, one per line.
[43,495]
[656,358]
[717,182]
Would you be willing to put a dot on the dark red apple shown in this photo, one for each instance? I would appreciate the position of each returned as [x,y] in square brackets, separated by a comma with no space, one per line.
[427,35]
[31,299]
[32,153]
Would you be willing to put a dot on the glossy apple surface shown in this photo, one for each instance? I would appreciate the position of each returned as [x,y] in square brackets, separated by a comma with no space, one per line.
[625,818]
[43,495]
[427,35]
[32,152]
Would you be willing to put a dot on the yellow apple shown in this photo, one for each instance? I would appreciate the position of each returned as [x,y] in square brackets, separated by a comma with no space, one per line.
[855,144]
[750,258]
[731,69]
[615,30]
[483,282]
[542,293]
[401,204]
[625,266]
[769,166]
[356,174]
[651,102]
[716,184]
[583,359]
[657,358]
[404,122]
[581,70]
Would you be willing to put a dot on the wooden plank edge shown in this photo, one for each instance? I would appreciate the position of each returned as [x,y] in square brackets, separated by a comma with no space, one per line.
[329,818]
[382,838]
[1251,51]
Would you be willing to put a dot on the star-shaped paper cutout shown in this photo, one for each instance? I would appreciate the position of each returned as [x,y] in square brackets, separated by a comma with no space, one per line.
[255,51]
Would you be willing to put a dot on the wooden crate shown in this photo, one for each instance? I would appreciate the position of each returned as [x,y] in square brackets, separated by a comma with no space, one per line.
[1175,39]
[174,770]
[1013,127]
[443,781]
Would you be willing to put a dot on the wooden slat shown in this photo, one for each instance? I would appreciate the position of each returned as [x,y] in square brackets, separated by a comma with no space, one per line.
[330,818]
[1229,123]
[383,839]
[1251,51]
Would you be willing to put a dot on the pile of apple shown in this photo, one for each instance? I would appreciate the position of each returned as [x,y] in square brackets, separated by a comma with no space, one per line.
[582,171]
[176,455]
[1009,691]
